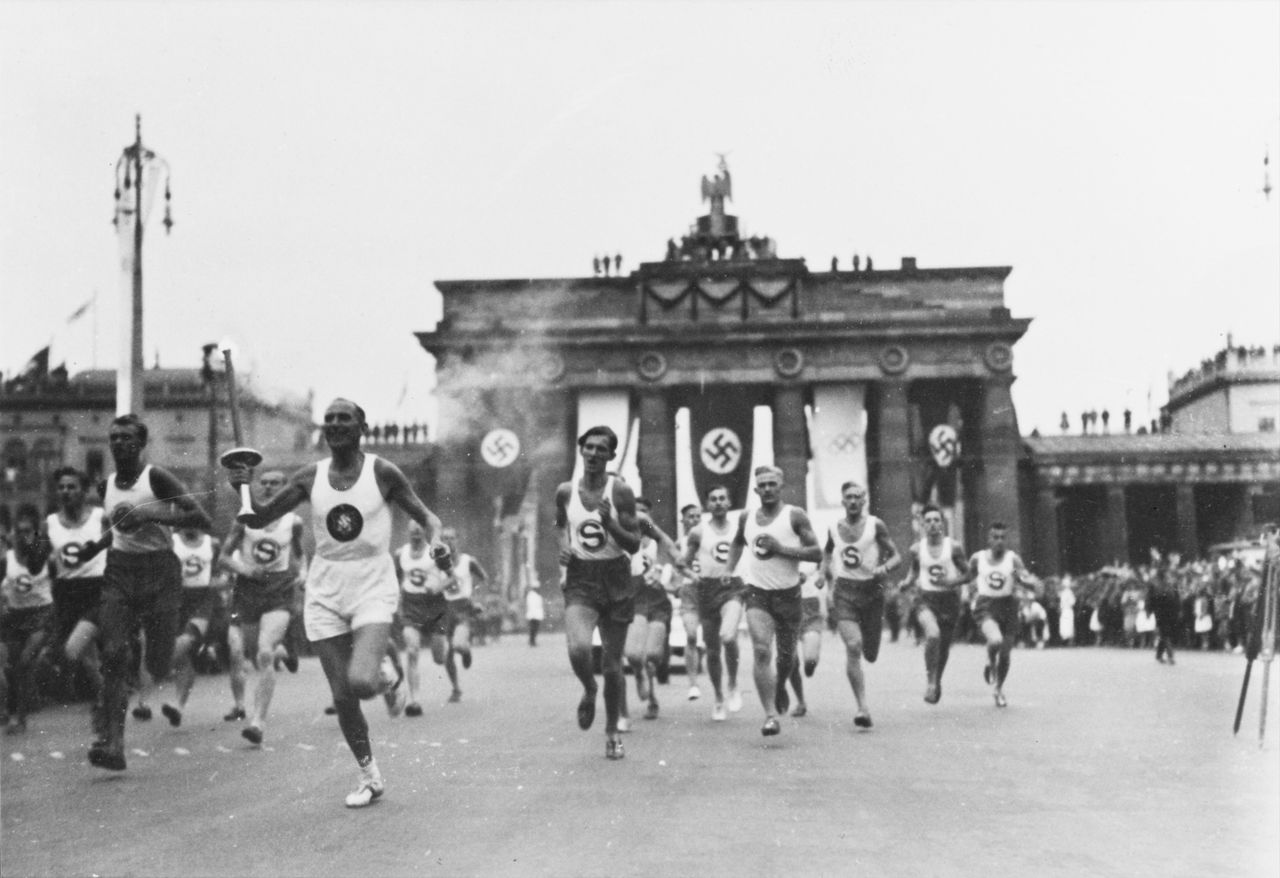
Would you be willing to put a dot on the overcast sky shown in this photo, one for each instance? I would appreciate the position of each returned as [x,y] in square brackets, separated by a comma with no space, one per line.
[331,160]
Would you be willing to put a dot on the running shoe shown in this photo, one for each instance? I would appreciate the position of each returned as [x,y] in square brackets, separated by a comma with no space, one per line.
[719,714]
[651,712]
[613,748]
[252,734]
[694,692]
[291,663]
[1001,701]
[781,698]
[142,712]
[104,756]
[16,727]
[862,720]
[370,787]
[172,714]
[810,667]
[235,715]
[466,659]
[455,696]
[933,694]
[624,724]
[986,673]
[331,710]
[770,727]
[801,710]
[413,708]
[735,701]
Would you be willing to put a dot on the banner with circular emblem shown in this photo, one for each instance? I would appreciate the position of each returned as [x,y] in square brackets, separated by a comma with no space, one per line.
[720,432]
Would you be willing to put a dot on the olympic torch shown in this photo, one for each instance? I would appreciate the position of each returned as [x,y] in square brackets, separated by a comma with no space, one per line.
[240,454]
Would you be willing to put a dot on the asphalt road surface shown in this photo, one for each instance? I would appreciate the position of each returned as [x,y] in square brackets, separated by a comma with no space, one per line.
[1104,763]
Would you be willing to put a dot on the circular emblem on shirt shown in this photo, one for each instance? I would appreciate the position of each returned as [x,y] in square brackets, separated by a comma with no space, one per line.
[720,450]
[267,551]
[69,555]
[344,522]
[193,566]
[500,448]
[936,574]
[995,580]
[418,577]
[851,557]
[758,549]
[23,583]
[721,552]
[592,535]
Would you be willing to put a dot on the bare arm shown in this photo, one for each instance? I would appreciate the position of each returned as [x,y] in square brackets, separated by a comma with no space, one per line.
[185,512]
[739,543]
[913,569]
[665,543]
[295,492]
[562,520]
[693,541]
[808,550]
[619,517]
[398,492]
[890,557]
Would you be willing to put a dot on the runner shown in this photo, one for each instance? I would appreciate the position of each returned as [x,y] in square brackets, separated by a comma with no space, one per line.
[690,517]
[780,537]
[351,584]
[812,622]
[267,562]
[143,580]
[997,571]
[596,520]
[720,596]
[938,569]
[460,591]
[646,642]
[26,613]
[197,554]
[77,584]
[424,611]
[859,556]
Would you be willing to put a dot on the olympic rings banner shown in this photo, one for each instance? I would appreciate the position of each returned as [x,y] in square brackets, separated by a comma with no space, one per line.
[838,439]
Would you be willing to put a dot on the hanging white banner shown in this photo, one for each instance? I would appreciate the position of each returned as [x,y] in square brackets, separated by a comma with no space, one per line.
[837,435]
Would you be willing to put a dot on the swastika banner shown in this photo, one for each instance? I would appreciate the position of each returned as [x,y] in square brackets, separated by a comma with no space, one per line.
[720,436]
[838,435]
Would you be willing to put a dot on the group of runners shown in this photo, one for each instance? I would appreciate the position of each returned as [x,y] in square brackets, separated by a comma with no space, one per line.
[126,578]
[752,567]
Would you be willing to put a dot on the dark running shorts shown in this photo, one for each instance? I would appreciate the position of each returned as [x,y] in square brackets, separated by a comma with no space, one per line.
[603,586]
[945,606]
[429,613]
[782,604]
[76,599]
[863,603]
[653,604]
[1003,611]
[18,625]
[460,611]
[714,593]
[255,596]
[197,603]
[811,615]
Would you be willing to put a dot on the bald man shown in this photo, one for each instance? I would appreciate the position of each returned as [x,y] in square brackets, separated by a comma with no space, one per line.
[351,589]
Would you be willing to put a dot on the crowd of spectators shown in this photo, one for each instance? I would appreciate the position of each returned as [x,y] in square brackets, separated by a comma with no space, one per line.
[1114,606]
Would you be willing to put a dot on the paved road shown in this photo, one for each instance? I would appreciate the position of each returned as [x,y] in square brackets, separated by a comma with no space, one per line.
[1105,763]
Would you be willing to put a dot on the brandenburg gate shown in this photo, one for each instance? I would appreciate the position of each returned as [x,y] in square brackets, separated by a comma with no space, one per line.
[899,377]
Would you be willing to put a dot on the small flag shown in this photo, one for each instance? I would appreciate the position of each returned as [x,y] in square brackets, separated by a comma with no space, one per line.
[80,312]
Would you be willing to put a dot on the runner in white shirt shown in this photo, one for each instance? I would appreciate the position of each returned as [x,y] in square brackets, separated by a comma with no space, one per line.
[938,569]
[997,571]
[780,537]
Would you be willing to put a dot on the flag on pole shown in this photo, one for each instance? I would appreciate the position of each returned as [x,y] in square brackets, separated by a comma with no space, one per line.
[80,312]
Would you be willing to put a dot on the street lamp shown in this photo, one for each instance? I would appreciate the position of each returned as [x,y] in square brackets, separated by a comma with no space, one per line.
[209,379]
[138,173]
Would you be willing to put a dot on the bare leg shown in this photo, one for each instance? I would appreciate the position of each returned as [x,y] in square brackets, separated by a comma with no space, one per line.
[851,633]
[239,671]
[271,632]
[760,626]
[579,622]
